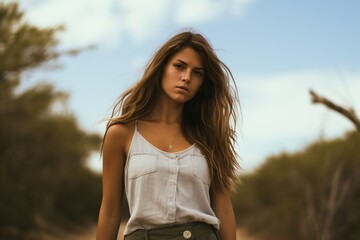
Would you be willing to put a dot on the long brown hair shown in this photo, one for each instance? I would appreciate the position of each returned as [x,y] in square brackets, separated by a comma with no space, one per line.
[209,118]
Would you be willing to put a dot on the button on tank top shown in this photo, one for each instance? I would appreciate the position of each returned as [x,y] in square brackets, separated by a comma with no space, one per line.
[165,188]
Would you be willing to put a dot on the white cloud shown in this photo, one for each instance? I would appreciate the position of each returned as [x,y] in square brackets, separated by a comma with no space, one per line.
[143,19]
[278,114]
[239,7]
[86,21]
[106,22]
[189,11]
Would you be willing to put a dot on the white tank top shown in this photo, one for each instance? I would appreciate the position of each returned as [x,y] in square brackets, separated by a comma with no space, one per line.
[165,188]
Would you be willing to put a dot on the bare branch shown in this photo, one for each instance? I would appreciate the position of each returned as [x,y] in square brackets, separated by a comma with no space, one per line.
[347,112]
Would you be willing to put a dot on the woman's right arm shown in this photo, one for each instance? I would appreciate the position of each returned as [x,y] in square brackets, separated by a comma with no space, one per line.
[114,157]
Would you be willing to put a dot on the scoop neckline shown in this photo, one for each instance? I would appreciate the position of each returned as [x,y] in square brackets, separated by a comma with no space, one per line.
[162,151]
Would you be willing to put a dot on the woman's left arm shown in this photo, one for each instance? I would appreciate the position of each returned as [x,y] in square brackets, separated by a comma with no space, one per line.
[222,206]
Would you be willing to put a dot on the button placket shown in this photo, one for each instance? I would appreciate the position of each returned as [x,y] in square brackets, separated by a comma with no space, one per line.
[172,187]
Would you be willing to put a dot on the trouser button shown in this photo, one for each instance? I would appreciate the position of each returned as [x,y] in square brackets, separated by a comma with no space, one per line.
[187,234]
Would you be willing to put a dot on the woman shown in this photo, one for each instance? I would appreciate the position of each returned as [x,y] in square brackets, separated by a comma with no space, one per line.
[170,147]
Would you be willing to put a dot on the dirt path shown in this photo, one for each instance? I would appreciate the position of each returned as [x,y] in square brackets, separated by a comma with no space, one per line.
[241,234]
[91,233]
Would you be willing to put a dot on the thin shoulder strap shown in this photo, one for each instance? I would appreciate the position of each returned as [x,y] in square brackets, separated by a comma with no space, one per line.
[136,123]
[133,138]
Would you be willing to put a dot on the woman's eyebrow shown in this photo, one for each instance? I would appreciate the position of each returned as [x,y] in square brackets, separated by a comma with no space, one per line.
[183,62]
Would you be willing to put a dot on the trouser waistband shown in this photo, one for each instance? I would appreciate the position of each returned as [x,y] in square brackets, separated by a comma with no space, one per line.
[191,230]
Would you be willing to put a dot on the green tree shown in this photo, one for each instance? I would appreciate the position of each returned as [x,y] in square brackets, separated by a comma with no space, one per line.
[311,194]
[44,183]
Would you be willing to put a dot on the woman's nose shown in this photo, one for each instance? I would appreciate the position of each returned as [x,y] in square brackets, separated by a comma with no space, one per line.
[186,77]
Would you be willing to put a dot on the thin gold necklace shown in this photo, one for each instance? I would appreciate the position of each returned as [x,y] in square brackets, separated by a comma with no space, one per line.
[172,142]
[171,145]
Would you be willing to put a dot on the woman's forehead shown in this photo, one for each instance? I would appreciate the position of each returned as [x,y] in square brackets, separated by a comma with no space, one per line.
[188,56]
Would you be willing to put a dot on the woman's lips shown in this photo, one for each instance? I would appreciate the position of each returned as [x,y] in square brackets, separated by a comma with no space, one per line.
[183,88]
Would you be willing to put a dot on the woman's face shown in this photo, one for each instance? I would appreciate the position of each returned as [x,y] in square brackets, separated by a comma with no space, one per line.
[183,75]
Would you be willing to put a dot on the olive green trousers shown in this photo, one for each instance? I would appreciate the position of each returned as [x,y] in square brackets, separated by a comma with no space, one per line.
[192,230]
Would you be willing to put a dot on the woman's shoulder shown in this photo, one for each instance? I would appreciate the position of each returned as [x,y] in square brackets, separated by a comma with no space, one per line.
[120,133]
[121,129]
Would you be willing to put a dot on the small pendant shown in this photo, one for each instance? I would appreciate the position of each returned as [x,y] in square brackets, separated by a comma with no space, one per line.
[170,146]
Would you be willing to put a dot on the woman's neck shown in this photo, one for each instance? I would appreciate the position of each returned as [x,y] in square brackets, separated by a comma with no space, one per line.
[166,112]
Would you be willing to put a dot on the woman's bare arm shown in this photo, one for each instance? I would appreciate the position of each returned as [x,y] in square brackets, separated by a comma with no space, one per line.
[222,206]
[114,158]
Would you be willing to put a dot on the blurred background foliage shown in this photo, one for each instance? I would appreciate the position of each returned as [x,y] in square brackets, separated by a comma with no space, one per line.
[45,186]
[310,194]
[44,183]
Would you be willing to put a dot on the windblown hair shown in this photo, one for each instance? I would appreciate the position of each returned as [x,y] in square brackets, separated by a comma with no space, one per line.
[209,118]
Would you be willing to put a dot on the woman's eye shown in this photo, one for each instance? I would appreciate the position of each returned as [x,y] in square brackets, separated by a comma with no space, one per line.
[179,66]
[198,73]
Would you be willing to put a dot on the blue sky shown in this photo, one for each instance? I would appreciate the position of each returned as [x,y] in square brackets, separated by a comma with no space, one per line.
[277,50]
